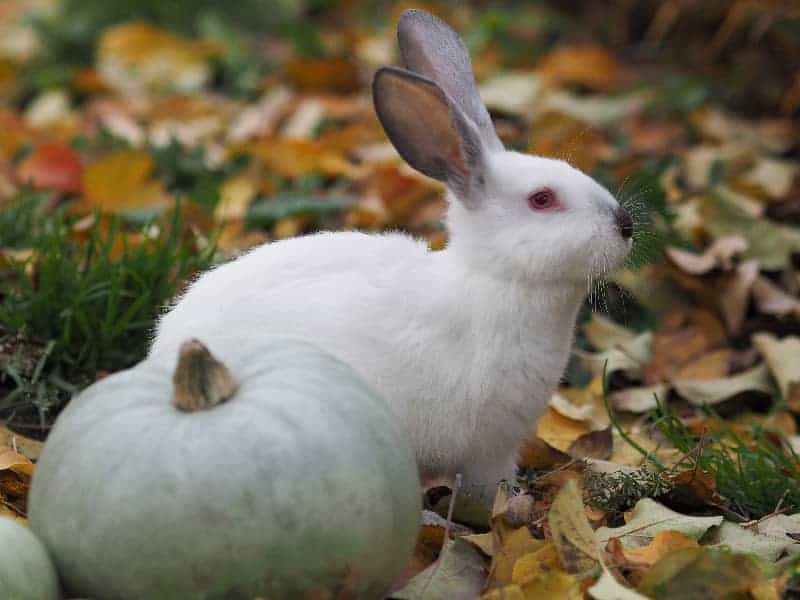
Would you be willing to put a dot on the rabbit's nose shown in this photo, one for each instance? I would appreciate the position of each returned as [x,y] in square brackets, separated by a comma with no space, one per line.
[624,223]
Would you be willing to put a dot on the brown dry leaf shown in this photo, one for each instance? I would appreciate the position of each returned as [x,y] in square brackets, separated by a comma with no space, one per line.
[123,180]
[682,338]
[537,454]
[701,573]
[695,487]
[138,59]
[638,399]
[783,359]
[595,444]
[590,66]
[559,431]
[570,530]
[334,74]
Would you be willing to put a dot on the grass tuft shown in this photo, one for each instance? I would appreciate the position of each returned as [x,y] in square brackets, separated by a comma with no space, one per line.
[75,309]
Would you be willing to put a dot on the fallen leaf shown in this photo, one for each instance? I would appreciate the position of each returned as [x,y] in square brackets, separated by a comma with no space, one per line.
[608,588]
[334,74]
[719,255]
[770,177]
[768,243]
[582,404]
[644,557]
[605,334]
[559,431]
[537,454]
[714,391]
[736,538]
[682,338]
[570,530]
[589,66]
[595,444]
[638,399]
[773,300]
[459,574]
[123,180]
[630,356]
[783,359]
[236,194]
[514,92]
[12,460]
[52,166]
[734,294]
[701,573]
[28,447]
[651,288]
[713,365]
[648,518]
[138,59]
[779,526]
[516,544]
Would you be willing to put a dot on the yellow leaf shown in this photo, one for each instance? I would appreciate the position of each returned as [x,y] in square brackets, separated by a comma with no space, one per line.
[535,564]
[137,58]
[14,461]
[236,194]
[122,180]
[559,431]
[572,535]
[516,544]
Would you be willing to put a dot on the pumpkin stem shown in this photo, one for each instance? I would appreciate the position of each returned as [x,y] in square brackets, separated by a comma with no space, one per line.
[200,381]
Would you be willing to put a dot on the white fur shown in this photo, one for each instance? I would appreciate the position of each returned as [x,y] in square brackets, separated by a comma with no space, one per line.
[465,344]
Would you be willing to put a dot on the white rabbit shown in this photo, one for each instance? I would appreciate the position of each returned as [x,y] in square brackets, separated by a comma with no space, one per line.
[466,344]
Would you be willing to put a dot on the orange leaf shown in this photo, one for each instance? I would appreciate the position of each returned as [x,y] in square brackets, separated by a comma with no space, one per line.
[52,166]
[322,74]
[591,66]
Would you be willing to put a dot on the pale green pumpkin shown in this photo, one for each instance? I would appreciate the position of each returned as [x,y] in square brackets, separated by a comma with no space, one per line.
[26,572]
[278,476]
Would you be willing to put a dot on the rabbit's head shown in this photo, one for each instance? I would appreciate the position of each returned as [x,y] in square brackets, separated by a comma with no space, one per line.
[515,215]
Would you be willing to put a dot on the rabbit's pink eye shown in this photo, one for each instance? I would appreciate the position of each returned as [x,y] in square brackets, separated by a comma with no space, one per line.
[544,199]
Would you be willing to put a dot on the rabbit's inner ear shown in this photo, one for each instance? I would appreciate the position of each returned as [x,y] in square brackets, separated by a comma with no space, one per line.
[429,132]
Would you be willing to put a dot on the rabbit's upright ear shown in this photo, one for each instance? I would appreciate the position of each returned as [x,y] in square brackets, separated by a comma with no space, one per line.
[431,49]
[430,132]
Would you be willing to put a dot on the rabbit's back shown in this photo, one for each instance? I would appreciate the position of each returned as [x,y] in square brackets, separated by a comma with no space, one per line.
[291,286]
